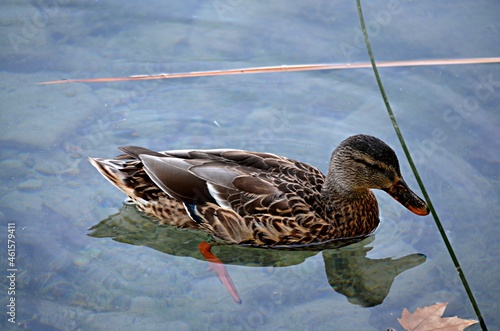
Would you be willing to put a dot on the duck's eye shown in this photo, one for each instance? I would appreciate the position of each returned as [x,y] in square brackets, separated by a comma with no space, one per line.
[372,166]
[377,169]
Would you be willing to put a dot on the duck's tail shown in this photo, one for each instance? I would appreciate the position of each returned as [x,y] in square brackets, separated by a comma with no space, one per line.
[120,173]
[128,176]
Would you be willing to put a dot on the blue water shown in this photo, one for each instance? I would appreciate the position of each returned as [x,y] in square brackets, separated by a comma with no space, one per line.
[152,277]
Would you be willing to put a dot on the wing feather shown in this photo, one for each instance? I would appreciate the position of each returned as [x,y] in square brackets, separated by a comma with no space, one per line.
[249,183]
[171,175]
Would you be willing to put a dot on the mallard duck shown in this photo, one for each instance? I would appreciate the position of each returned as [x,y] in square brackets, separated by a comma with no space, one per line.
[262,199]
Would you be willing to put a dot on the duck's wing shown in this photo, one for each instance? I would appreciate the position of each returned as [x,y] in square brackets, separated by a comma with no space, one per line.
[248,183]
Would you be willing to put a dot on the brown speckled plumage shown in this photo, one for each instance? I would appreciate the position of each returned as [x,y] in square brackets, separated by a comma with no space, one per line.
[262,199]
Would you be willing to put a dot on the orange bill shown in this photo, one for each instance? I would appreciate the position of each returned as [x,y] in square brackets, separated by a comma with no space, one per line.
[402,193]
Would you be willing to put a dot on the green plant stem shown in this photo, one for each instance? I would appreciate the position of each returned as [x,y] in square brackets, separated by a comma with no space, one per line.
[415,172]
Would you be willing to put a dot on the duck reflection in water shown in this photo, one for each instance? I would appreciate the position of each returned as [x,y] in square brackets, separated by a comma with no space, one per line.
[363,281]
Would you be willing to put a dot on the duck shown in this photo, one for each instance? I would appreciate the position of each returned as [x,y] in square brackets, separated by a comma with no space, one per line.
[262,199]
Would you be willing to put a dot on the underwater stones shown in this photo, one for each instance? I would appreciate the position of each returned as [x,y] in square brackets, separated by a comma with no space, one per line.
[47,168]
[143,304]
[30,184]
[12,168]
[42,116]
[19,201]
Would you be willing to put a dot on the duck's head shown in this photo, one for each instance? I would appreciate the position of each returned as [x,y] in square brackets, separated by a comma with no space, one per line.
[363,162]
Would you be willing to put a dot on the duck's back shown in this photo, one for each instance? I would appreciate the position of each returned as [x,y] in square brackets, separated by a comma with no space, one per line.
[247,182]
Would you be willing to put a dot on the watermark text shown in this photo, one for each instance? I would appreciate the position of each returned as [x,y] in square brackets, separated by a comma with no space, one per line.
[11,272]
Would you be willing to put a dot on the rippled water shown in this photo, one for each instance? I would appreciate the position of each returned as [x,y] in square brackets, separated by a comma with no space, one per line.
[127,273]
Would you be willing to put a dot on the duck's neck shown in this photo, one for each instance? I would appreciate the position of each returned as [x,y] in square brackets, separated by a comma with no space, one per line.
[352,212]
[332,191]
[338,184]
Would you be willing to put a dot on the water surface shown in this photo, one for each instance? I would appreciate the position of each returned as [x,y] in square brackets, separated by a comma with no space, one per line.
[152,277]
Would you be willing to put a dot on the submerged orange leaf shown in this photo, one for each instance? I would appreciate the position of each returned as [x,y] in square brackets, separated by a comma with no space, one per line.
[429,318]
